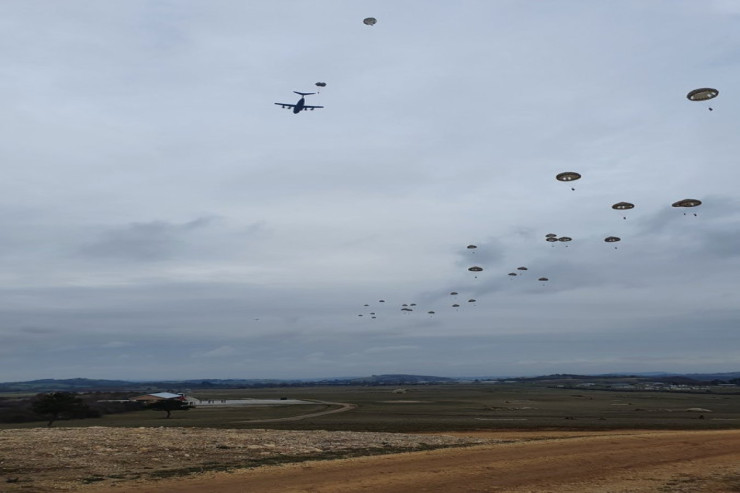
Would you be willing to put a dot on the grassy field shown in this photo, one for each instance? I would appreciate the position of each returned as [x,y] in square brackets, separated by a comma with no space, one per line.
[450,407]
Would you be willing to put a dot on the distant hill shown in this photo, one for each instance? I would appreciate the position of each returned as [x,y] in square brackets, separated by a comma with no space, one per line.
[98,385]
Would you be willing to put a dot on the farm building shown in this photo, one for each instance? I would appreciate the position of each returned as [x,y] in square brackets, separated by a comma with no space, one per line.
[159,396]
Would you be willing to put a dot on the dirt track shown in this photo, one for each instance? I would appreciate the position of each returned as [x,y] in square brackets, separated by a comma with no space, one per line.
[614,462]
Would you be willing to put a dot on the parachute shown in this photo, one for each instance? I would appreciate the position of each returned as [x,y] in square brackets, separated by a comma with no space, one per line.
[565,239]
[568,176]
[453,293]
[455,305]
[623,206]
[612,239]
[471,300]
[702,94]
[369,21]
[430,312]
[551,239]
[321,84]
[543,279]
[472,248]
[687,203]
[381,301]
[551,235]
[521,268]
[512,274]
[475,268]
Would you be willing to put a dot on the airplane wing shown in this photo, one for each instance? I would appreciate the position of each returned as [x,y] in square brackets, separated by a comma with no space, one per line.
[285,105]
[307,107]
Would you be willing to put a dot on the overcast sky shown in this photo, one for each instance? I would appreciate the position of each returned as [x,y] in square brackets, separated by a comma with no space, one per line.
[162,218]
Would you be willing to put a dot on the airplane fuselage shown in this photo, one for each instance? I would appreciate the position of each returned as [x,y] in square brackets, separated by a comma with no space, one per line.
[299,105]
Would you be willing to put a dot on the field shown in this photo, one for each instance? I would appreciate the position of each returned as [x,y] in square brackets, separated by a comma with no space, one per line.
[500,414]
[452,407]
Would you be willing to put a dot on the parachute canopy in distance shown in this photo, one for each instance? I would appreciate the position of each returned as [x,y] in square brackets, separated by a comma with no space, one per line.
[568,176]
[612,239]
[687,203]
[405,304]
[365,304]
[521,268]
[551,235]
[475,268]
[622,206]
[455,305]
[543,279]
[512,274]
[381,301]
[551,239]
[430,312]
[702,94]
[471,247]
[453,293]
[565,238]
[369,21]
[321,84]
[471,300]
[407,309]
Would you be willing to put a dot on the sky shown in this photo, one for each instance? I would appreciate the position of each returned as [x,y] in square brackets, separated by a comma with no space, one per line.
[161,218]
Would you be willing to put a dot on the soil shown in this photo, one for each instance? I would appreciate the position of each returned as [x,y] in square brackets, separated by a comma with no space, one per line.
[511,461]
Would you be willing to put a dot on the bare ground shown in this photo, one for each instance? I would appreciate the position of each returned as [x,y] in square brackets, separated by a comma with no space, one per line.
[532,461]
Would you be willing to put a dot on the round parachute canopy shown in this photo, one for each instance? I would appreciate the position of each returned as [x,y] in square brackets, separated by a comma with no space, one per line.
[612,239]
[365,304]
[475,268]
[521,268]
[621,206]
[369,21]
[455,305]
[405,304]
[687,203]
[471,247]
[412,304]
[565,238]
[321,84]
[512,274]
[471,300]
[568,176]
[454,293]
[543,279]
[381,301]
[359,315]
[430,312]
[551,239]
[407,309]
[702,94]
[551,235]
[372,313]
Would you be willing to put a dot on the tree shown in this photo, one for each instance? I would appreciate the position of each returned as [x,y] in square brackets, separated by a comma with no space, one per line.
[169,405]
[58,405]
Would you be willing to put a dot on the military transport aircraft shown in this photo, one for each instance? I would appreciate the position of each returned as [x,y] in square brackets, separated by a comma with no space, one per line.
[301,104]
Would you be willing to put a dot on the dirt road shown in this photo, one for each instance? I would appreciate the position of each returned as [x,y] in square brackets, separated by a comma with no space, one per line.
[614,462]
[343,407]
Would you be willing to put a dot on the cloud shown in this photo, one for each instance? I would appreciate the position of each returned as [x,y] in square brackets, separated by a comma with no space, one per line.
[144,242]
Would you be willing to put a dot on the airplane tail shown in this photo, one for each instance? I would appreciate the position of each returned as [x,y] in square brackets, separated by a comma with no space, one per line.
[304,93]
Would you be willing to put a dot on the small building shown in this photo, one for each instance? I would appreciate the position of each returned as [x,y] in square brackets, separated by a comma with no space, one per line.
[159,396]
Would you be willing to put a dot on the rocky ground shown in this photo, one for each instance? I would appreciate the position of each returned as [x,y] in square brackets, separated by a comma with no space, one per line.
[64,459]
